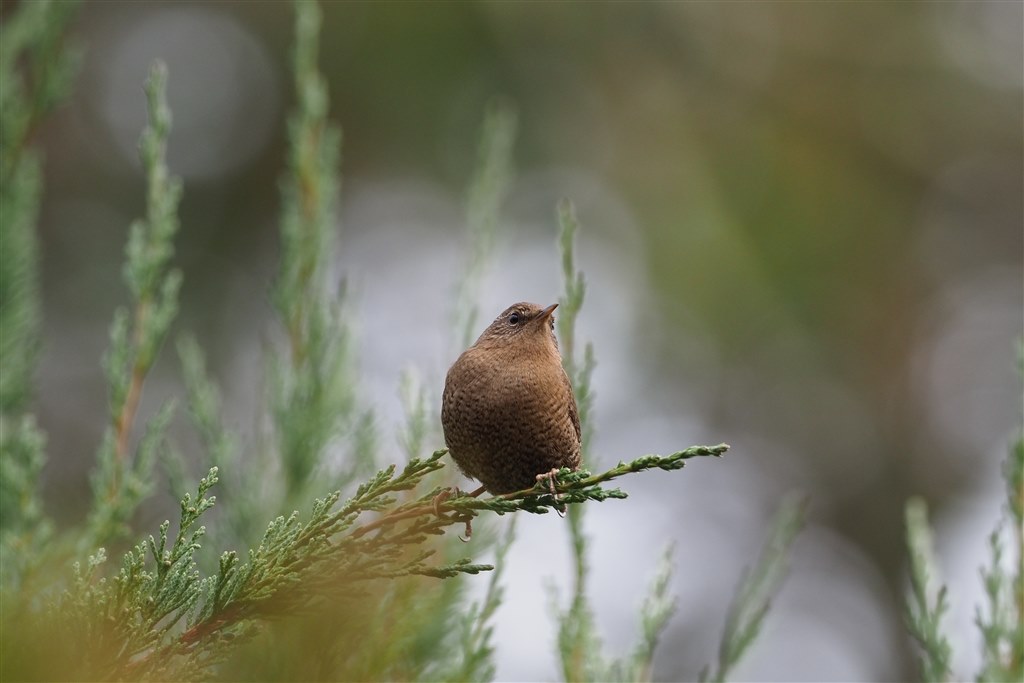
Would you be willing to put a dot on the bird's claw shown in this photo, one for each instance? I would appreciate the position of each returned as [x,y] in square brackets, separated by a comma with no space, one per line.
[550,476]
[454,492]
[441,497]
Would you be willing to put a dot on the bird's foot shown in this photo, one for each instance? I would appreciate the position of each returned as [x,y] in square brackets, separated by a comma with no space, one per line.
[469,531]
[445,494]
[454,492]
[550,476]
[469,522]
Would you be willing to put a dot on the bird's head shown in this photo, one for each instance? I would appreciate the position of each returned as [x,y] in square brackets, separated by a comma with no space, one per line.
[522,325]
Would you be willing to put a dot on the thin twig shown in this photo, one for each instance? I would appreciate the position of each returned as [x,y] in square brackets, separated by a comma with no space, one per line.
[468,503]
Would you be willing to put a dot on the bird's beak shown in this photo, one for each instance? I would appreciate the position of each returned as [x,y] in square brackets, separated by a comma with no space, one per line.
[546,313]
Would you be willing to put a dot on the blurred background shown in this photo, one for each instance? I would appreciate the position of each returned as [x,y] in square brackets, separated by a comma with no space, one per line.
[801,231]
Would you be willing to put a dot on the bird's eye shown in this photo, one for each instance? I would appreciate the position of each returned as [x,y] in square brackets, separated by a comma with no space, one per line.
[513,319]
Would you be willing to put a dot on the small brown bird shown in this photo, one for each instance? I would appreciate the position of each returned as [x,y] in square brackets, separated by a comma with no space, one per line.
[508,411]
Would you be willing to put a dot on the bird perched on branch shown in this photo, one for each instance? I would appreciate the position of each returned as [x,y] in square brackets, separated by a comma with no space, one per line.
[508,412]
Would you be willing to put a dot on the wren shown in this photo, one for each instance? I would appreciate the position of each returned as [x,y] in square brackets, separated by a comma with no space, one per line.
[508,411]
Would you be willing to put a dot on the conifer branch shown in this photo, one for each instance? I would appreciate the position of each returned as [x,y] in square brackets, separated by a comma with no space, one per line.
[657,609]
[34,40]
[121,482]
[759,584]
[485,195]
[313,382]
[36,68]
[1001,620]
[475,644]
[923,617]
[297,564]
[570,487]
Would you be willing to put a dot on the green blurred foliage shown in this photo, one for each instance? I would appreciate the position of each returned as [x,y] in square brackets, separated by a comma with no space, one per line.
[811,184]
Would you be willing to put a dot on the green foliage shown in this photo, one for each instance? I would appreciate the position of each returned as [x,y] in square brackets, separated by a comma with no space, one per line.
[242,519]
[313,384]
[1002,628]
[924,616]
[578,639]
[204,404]
[35,70]
[105,628]
[121,482]
[24,527]
[655,613]
[577,635]
[473,637]
[753,599]
[486,193]
[569,305]
[19,310]
[414,399]
[1001,620]
[134,615]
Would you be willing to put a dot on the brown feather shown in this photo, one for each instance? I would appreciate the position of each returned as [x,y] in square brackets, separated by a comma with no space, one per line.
[508,409]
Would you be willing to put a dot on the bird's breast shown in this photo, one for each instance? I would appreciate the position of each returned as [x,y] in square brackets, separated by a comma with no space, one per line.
[508,384]
[509,419]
